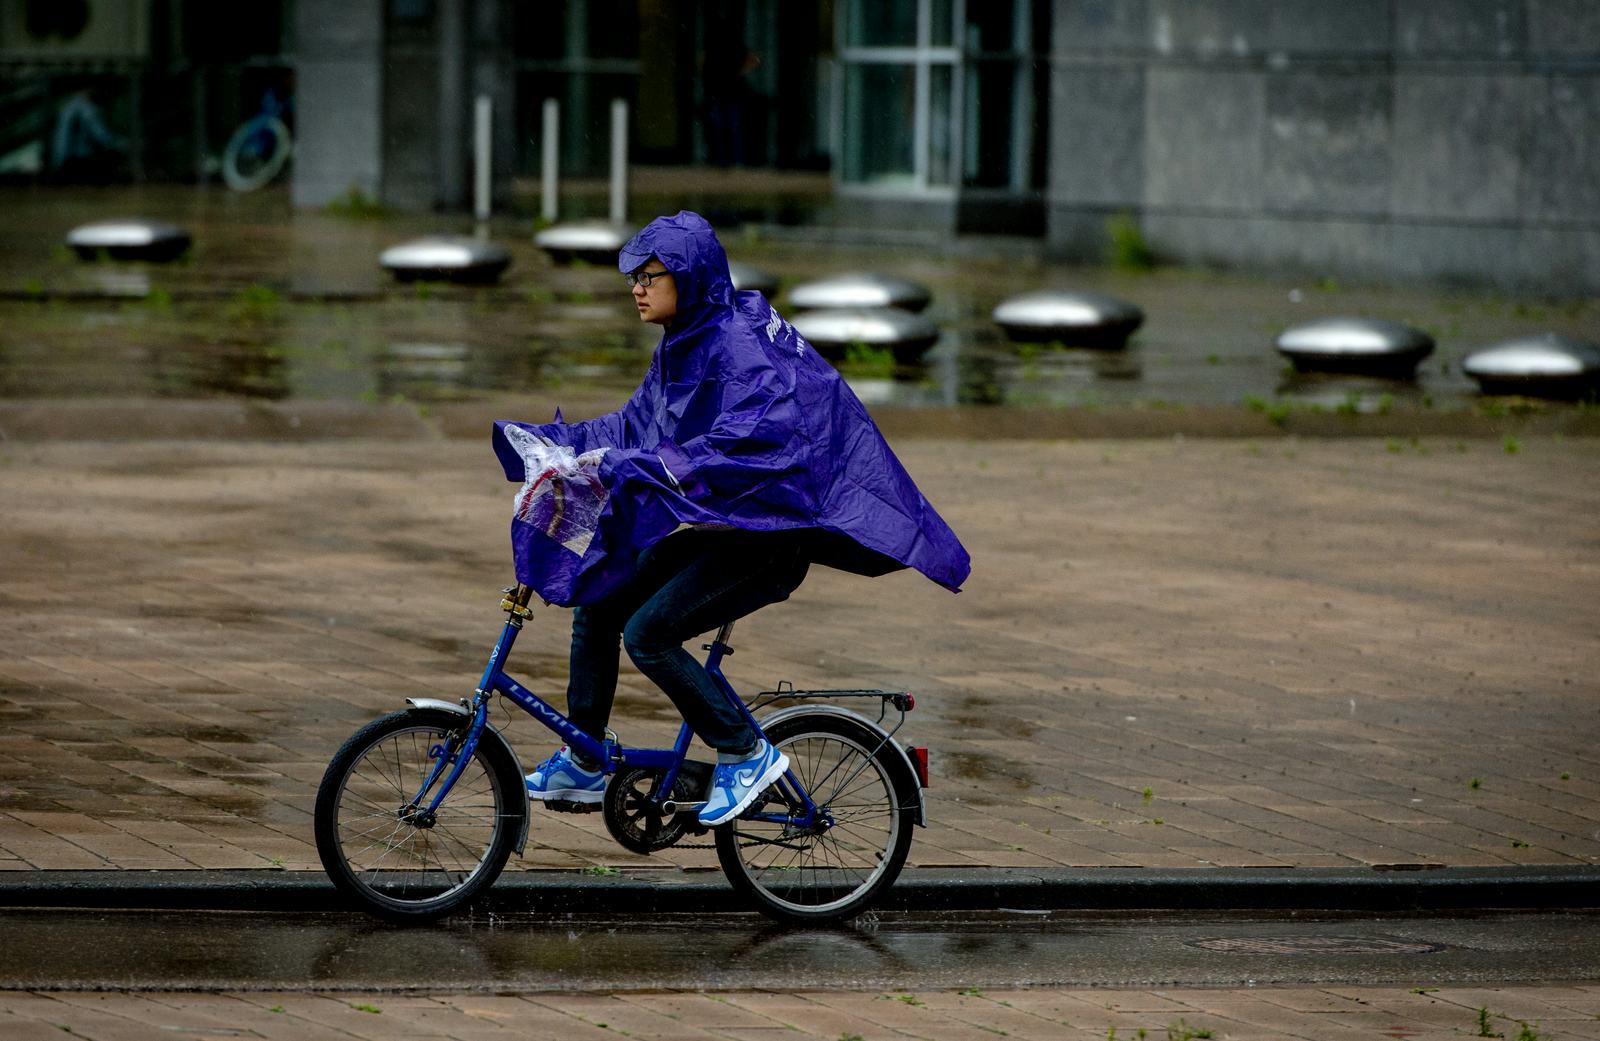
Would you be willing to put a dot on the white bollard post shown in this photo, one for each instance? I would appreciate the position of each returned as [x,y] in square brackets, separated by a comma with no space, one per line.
[552,154]
[483,122]
[619,161]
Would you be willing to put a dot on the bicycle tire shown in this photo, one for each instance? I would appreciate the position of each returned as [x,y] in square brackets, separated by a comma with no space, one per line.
[836,874]
[398,868]
[244,170]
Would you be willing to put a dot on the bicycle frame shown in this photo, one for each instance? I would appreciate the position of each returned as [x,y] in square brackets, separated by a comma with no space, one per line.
[612,755]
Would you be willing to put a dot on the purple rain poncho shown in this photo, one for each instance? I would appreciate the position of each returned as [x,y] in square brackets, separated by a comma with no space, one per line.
[738,423]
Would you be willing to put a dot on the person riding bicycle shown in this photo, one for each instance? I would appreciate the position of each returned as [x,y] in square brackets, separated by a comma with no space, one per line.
[740,460]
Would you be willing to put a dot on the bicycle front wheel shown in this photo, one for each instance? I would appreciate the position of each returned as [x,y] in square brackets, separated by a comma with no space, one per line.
[837,867]
[393,856]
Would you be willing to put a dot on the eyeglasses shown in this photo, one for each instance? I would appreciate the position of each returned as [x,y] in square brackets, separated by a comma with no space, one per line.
[644,278]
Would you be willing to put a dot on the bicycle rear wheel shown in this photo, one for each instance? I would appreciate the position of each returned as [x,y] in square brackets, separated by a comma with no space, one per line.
[835,870]
[391,856]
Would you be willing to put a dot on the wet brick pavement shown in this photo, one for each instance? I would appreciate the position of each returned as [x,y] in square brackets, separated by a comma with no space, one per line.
[1568,1013]
[1171,654]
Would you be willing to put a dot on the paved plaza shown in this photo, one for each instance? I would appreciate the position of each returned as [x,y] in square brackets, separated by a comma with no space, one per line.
[1171,654]
[1264,1014]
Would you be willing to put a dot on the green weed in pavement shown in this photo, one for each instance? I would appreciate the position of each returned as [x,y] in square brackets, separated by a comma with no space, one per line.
[868,362]
[1277,412]
[356,204]
[253,305]
[1128,250]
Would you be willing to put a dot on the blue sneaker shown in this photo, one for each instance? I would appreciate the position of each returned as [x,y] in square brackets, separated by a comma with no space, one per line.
[734,786]
[561,778]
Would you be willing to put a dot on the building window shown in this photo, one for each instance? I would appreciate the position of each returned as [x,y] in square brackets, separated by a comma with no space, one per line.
[898,76]
[1005,90]
[940,94]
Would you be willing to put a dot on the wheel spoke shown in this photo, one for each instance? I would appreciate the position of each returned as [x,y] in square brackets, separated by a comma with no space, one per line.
[392,863]
[835,869]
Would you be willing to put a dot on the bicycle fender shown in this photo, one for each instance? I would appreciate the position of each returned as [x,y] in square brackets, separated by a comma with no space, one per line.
[448,706]
[489,732]
[909,773]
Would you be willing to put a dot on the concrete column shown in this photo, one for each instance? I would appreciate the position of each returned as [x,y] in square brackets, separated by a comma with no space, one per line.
[339,100]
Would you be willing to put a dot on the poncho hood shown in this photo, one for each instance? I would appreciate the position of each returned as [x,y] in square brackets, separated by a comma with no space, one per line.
[687,246]
[738,422]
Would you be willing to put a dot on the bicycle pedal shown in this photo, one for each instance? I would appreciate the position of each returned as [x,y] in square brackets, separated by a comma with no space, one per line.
[568,806]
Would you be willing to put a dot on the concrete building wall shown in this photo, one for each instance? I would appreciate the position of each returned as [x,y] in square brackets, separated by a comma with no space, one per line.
[1440,139]
[385,103]
[339,104]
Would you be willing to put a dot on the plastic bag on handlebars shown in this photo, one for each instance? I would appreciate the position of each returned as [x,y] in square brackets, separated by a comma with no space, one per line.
[562,495]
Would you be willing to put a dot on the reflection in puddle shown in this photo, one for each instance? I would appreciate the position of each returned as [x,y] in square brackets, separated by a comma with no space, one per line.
[277,304]
[116,281]
[1348,394]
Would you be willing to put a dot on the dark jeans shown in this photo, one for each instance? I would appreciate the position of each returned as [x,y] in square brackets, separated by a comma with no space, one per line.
[689,583]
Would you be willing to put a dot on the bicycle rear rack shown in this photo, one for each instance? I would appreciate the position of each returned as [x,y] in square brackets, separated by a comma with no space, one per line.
[903,700]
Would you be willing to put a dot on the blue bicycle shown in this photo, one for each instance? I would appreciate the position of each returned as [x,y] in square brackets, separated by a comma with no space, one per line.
[419,810]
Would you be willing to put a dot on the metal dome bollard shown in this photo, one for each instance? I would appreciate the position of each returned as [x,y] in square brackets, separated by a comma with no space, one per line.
[834,331]
[863,289]
[747,277]
[130,238]
[445,258]
[1548,366]
[1357,346]
[1075,318]
[594,242]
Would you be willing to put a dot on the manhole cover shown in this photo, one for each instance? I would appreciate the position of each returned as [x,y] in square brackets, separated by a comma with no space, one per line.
[1313,945]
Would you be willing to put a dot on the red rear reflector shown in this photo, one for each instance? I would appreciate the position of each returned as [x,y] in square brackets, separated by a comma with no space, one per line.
[919,763]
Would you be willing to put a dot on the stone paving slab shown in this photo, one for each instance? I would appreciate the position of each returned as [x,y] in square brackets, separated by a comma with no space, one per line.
[1171,653]
[1556,1012]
